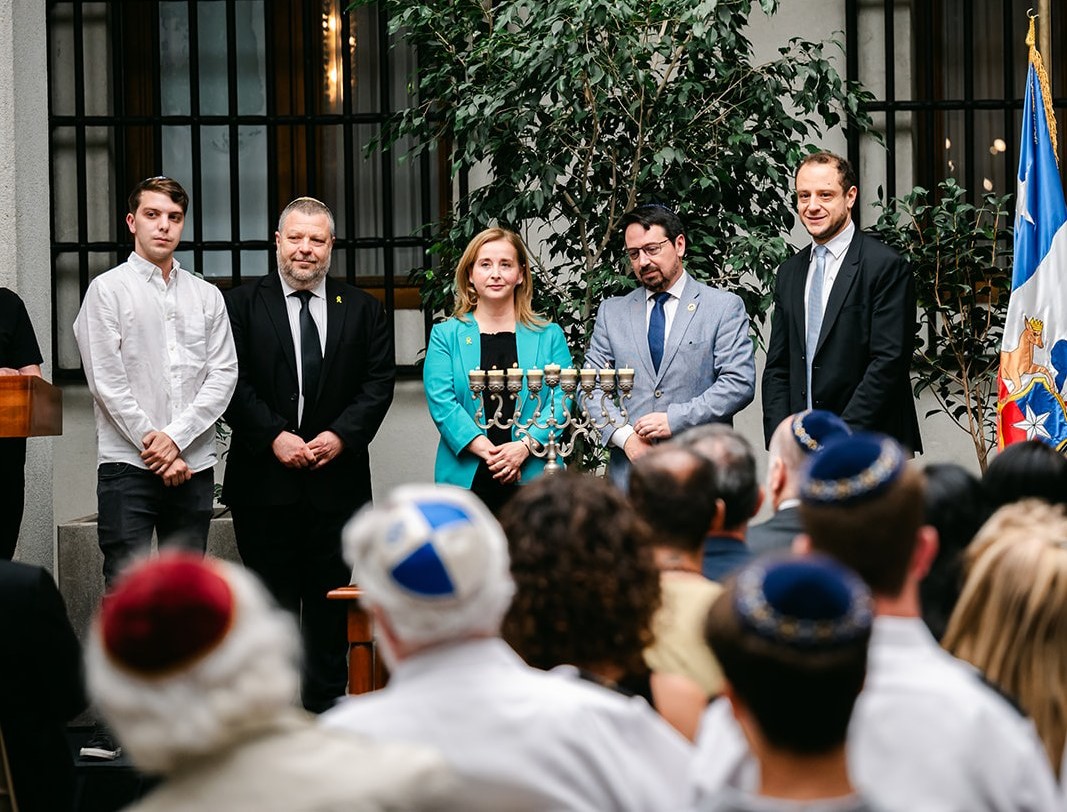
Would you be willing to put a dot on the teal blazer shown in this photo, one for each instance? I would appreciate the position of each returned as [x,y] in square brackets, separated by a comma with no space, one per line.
[455,349]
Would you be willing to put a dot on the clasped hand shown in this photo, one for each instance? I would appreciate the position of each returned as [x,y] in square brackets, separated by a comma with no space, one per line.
[293,452]
[505,461]
[161,456]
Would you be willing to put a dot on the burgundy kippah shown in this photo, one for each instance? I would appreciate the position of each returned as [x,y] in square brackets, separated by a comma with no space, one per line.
[166,613]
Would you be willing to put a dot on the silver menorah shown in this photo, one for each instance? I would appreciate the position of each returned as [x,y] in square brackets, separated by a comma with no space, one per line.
[562,404]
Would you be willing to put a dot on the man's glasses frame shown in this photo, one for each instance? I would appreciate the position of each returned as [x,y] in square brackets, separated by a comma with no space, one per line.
[651,250]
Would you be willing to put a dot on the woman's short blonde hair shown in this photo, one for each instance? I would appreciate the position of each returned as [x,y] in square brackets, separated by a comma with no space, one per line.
[467,299]
[1011,618]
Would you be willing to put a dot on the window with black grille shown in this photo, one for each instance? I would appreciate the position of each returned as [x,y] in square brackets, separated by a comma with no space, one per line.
[248,103]
[948,79]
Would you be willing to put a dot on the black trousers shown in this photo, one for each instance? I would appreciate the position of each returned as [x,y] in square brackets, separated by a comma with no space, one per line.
[132,502]
[12,493]
[296,551]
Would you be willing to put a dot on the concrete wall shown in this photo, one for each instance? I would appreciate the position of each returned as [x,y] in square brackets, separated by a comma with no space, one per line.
[24,227]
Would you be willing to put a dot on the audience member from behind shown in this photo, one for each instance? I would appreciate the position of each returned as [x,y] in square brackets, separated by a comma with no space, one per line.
[804,623]
[735,479]
[926,733]
[794,441]
[433,565]
[196,671]
[587,590]
[956,506]
[673,490]
[1011,620]
[1026,470]
[40,688]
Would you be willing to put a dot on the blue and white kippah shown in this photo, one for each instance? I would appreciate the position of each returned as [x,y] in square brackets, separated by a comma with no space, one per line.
[432,550]
[804,602]
[814,428]
[851,469]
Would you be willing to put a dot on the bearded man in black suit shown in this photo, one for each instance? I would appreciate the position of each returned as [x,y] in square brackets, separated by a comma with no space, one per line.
[315,379]
[843,328]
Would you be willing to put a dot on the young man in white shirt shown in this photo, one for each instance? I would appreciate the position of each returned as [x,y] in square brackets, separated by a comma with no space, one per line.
[160,362]
[159,359]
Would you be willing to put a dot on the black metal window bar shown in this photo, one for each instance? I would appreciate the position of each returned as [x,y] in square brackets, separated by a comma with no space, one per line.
[957,109]
[248,103]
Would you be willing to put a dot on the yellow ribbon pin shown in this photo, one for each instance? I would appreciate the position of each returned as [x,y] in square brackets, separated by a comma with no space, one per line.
[338,300]
[469,342]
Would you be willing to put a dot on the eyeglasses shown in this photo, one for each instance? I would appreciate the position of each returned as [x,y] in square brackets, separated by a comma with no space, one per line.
[651,250]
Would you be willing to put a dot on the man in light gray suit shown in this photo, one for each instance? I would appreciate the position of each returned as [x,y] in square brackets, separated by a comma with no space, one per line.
[687,342]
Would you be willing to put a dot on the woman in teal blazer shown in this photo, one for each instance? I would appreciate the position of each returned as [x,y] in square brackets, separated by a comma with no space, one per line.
[493,325]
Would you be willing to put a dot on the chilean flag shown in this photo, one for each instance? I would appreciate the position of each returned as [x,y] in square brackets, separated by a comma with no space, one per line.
[1033,358]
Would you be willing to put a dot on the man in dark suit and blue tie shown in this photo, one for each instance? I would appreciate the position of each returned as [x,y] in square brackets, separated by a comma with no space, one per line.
[315,379]
[843,328]
[687,342]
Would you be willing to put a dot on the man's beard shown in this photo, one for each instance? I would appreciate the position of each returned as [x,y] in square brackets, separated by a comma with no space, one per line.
[303,279]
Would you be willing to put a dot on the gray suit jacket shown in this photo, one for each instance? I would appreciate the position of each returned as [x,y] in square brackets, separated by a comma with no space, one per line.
[776,534]
[707,374]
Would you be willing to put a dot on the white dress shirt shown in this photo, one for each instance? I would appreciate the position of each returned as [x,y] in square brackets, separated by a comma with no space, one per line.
[926,736]
[523,739]
[670,308]
[317,306]
[158,356]
[836,249]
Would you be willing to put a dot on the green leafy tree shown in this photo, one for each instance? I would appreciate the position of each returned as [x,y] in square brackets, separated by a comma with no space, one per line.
[960,254]
[574,111]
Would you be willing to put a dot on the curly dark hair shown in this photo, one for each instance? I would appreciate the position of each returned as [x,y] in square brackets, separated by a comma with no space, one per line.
[586,583]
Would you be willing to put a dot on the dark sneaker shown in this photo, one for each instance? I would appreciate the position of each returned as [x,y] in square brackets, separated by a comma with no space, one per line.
[100,747]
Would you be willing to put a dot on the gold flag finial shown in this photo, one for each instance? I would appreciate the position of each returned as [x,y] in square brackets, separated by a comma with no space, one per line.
[1042,78]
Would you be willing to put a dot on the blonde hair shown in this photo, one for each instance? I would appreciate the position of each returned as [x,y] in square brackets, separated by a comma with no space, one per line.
[1011,619]
[467,299]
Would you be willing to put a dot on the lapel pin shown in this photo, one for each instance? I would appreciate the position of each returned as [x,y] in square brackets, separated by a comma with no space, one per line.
[468,341]
[338,300]
[692,307]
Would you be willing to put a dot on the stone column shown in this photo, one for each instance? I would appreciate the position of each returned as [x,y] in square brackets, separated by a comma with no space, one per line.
[25,264]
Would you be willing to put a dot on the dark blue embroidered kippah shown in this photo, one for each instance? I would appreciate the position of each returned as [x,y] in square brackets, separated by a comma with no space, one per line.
[806,602]
[851,469]
[816,427]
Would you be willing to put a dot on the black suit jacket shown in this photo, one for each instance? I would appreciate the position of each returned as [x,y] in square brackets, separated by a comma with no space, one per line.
[863,358]
[41,686]
[776,534]
[355,390]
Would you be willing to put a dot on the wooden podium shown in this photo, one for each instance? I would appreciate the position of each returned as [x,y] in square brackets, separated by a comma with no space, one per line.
[29,407]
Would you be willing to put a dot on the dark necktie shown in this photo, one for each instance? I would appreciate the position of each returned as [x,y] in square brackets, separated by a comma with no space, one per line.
[310,352]
[815,311]
[657,326]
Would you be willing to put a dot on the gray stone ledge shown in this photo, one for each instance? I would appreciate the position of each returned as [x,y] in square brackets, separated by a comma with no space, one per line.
[79,563]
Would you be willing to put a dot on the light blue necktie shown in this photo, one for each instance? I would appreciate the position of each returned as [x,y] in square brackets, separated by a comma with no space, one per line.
[815,311]
[657,325]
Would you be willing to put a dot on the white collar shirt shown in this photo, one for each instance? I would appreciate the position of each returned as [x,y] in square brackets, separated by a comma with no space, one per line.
[317,306]
[158,356]
[836,248]
[926,734]
[670,307]
[524,739]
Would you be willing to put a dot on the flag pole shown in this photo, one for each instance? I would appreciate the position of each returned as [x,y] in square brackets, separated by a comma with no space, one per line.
[1042,77]
[1044,11]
